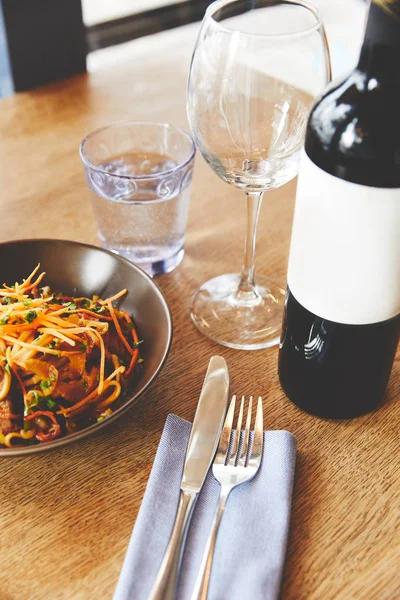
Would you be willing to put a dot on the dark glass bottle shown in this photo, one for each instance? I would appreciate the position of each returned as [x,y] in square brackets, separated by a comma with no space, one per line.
[342,316]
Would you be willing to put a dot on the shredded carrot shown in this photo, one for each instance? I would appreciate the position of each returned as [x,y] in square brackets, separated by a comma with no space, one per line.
[118,328]
[134,332]
[113,298]
[16,328]
[93,314]
[31,276]
[135,355]
[35,283]
[134,359]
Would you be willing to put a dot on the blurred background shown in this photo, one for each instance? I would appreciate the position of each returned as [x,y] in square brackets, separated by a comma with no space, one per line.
[344,21]
[45,40]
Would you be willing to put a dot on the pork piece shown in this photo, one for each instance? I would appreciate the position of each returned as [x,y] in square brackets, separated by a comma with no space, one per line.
[6,424]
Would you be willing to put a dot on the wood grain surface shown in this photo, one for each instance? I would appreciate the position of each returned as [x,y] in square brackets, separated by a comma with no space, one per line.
[66,516]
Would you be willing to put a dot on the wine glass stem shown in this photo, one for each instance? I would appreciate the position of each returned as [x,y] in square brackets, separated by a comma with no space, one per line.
[247,288]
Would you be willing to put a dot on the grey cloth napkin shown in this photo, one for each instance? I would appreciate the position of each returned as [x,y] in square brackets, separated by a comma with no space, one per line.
[251,544]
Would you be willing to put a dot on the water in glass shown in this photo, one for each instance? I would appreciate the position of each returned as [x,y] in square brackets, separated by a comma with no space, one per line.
[142,219]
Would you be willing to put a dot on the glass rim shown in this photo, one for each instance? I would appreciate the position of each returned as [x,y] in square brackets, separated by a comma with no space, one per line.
[219,4]
[177,167]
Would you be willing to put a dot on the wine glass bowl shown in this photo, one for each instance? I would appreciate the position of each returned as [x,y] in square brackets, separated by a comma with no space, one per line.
[256,69]
[266,158]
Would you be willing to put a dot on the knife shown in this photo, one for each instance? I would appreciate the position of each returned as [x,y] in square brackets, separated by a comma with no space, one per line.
[201,448]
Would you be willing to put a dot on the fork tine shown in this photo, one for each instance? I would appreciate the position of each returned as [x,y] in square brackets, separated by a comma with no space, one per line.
[223,447]
[235,448]
[256,449]
[245,445]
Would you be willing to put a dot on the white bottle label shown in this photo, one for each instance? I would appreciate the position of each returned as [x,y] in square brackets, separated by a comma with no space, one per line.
[344,262]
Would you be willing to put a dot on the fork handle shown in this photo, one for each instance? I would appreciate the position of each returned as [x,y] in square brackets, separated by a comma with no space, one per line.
[165,584]
[203,579]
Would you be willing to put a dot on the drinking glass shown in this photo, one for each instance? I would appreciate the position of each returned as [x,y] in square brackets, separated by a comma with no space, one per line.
[256,69]
[139,176]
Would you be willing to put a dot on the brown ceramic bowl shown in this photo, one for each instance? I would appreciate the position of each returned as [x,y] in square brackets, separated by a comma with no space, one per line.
[82,270]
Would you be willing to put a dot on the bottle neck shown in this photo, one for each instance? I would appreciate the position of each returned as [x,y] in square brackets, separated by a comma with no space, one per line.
[380,53]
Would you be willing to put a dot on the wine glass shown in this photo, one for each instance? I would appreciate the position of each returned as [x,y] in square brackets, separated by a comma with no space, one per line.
[256,69]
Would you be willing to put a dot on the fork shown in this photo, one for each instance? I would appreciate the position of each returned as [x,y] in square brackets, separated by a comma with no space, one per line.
[231,468]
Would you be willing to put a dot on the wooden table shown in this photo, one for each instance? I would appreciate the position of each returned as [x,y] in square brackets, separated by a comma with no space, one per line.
[66,516]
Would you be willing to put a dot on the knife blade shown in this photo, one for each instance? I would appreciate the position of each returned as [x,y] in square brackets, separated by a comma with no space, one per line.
[201,448]
[207,425]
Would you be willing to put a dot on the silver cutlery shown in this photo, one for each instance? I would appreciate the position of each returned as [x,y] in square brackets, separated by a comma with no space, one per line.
[203,441]
[234,464]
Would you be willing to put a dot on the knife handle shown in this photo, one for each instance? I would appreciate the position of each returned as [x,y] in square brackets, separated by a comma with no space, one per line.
[165,585]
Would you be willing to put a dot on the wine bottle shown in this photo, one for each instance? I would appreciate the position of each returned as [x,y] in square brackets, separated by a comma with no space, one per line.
[342,313]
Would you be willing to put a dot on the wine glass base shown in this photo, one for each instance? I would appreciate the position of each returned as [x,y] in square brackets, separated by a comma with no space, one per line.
[241,322]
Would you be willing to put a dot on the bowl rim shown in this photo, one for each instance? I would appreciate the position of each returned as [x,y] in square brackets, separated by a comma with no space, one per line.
[95,427]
